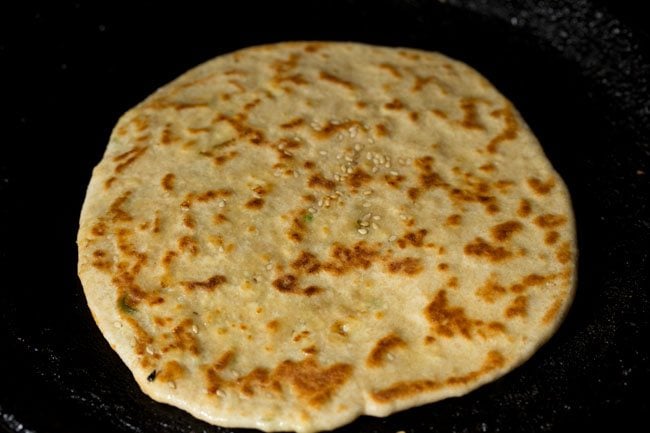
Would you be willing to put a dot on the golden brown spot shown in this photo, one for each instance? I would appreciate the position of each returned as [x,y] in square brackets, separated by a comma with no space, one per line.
[324,75]
[306,262]
[168,257]
[504,231]
[108,182]
[382,130]
[541,187]
[407,266]
[564,253]
[339,328]
[309,165]
[414,116]
[491,291]
[518,307]
[509,131]
[550,220]
[258,378]
[171,372]
[358,178]
[443,266]
[115,210]
[447,321]
[551,237]
[209,195]
[394,180]
[439,113]
[453,220]
[332,128]
[289,284]
[188,221]
[377,355]
[395,104]
[415,239]
[224,158]
[524,208]
[420,82]
[552,311]
[312,383]
[210,284]
[407,389]
[219,218]
[488,168]
[167,182]
[318,181]
[99,229]
[273,325]
[255,203]
[361,104]
[188,244]
[452,282]
[127,158]
[392,69]
[413,193]
[297,230]
[224,360]
[344,259]
[470,118]
[311,350]
[480,248]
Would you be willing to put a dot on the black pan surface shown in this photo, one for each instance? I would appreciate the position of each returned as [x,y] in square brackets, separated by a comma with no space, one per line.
[577,70]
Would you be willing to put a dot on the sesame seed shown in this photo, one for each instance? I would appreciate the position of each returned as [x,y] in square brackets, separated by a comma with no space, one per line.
[376,217]
[390,356]
[367,192]
[349,170]
[222,203]
[286,152]
[220,393]
[337,177]
[367,216]
[149,350]
[394,173]
[371,140]
[320,202]
[322,152]
[375,226]
[375,169]
[195,329]
[345,328]
[363,231]
[221,249]
[295,174]
[387,165]
[311,210]
[344,168]
[339,156]
[369,156]
[366,204]
[269,266]
[400,160]
[172,384]
[348,158]
[392,238]
[364,223]
[358,147]
[339,137]
[117,324]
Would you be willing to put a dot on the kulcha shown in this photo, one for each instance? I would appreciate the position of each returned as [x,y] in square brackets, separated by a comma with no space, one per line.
[292,235]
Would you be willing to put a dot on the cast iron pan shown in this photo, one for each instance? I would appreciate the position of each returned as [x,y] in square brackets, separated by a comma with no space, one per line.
[577,72]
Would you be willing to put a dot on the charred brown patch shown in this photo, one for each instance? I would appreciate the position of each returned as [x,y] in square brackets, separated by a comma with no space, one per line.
[504,231]
[408,266]
[210,284]
[255,203]
[382,348]
[480,248]
[541,187]
[510,129]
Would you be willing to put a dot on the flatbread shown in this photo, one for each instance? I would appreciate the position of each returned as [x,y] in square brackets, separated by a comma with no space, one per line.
[292,235]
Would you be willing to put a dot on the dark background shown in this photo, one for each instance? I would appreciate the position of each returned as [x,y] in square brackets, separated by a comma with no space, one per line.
[578,71]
